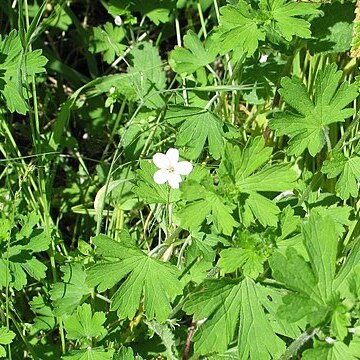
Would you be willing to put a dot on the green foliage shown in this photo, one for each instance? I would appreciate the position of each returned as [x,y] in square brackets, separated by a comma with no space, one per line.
[243,26]
[144,81]
[349,170]
[69,293]
[251,248]
[157,11]
[107,40]
[150,192]
[198,126]
[6,337]
[219,300]
[200,203]
[90,354]
[83,324]
[313,292]
[308,128]
[148,280]
[17,66]
[193,55]
[239,173]
[17,252]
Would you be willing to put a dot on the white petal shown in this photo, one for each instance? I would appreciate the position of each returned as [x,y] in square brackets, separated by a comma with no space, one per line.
[161,176]
[173,156]
[183,167]
[174,180]
[161,161]
[118,20]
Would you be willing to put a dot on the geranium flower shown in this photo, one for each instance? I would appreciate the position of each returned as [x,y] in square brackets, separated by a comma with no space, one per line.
[170,168]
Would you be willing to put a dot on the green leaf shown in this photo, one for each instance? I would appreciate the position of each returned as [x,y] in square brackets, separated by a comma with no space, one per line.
[90,354]
[45,319]
[349,170]
[219,302]
[242,26]
[6,336]
[24,244]
[166,336]
[249,261]
[147,279]
[345,273]
[224,304]
[150,192]
[69,293]
[332,32]
[198,126]
[16,69]
[239,30]
[238,175]
[312,285]
[107,40]
[285,19]
[84,324]
[147,75]
[308,126]
[126,353]
[336,351]
[187,59]
[158,11]
[202,202]
[253,322]
[320,240]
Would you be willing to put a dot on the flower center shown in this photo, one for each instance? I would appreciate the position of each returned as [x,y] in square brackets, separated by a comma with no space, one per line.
[170,170]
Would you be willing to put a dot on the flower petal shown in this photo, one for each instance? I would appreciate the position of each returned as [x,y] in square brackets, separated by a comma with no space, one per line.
[173,156]
[183,167]
[161,176]
[161,161]
[174,180]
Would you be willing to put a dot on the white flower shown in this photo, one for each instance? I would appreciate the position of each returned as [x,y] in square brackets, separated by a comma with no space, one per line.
[118,20]
[170,168]
[263,58]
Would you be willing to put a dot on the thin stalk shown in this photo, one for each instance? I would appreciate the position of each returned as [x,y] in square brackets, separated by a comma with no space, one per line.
[178,38]
[347,132]
[43,185]
[111,170]
[19,330]
[203,27]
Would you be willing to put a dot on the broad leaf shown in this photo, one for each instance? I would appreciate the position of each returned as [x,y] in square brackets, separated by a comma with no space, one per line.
[253,322]
[336,351]
[16,67]
[19,260]
[6,337]
[84,324]
[193,55]
[200,203]
[242,26]
[307,126]
[69,293]
[147,279]
[107,39]
[158,11]
[285,18]
[311,284]
[198,126]
[239,30]
[349,170]
[239,173]
[225,304]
